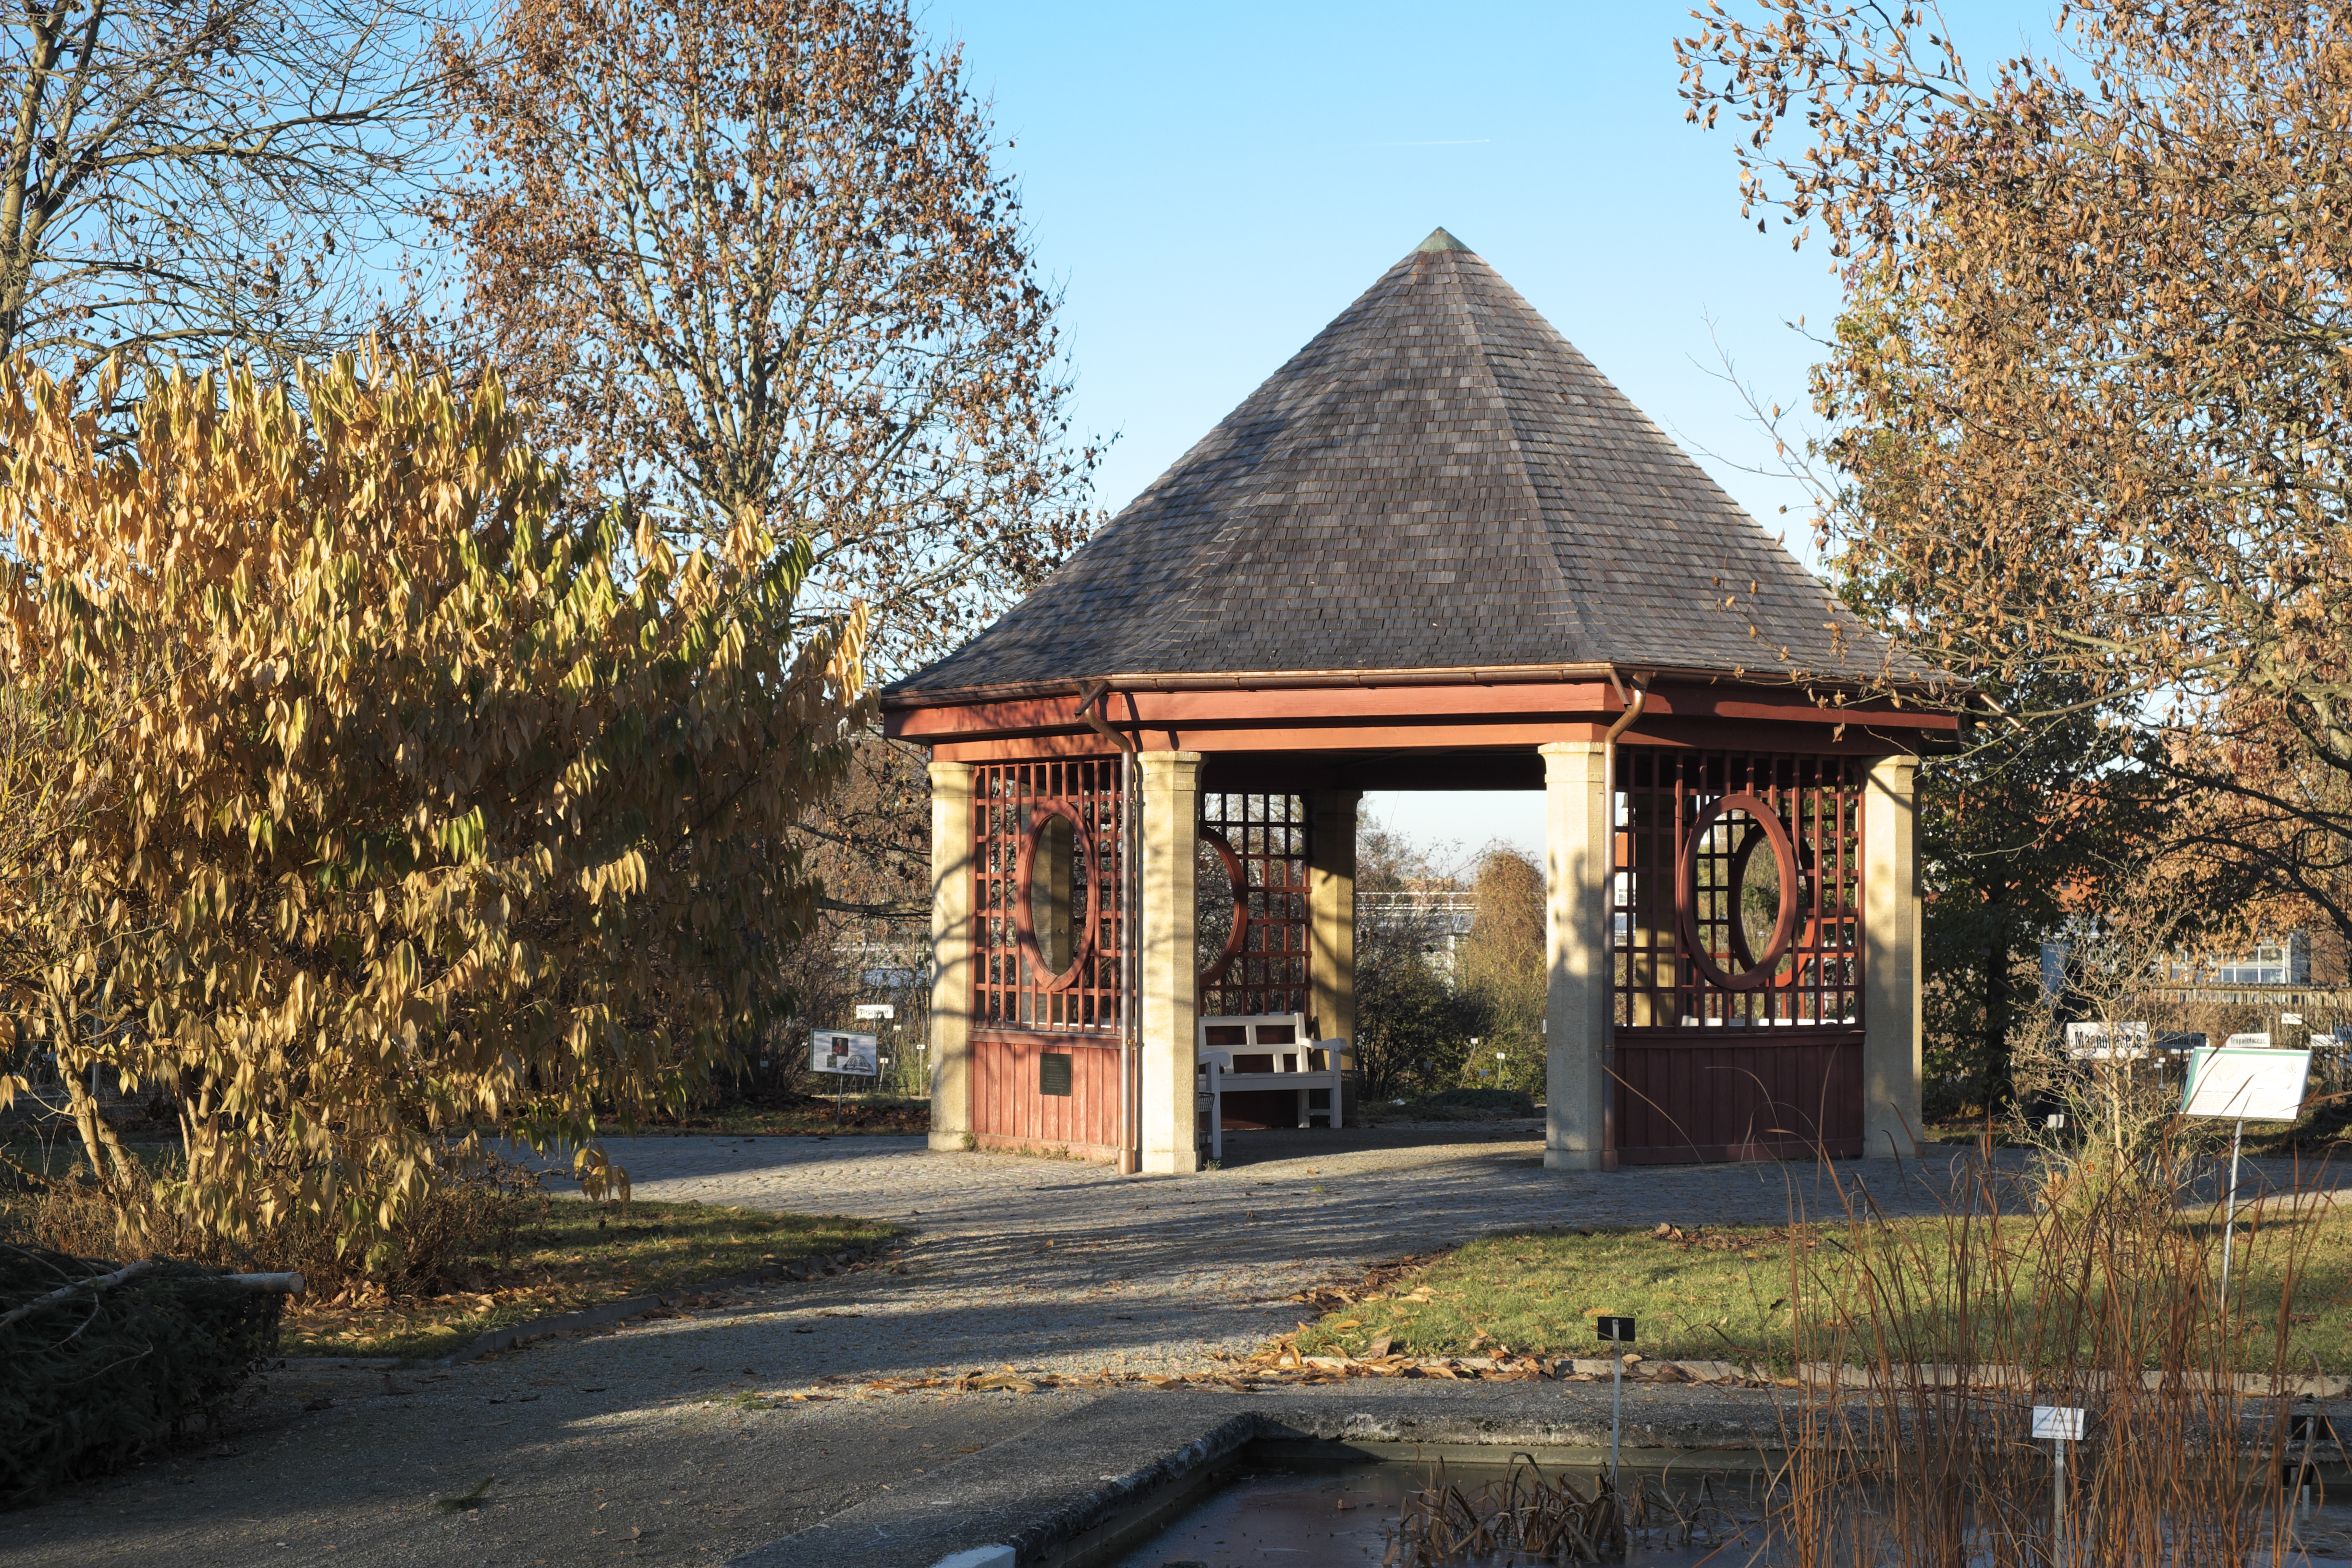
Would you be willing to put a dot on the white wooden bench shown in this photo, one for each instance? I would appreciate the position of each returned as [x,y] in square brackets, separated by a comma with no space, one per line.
[1298,1064]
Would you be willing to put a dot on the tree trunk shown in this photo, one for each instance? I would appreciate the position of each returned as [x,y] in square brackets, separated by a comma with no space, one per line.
[2000,1079]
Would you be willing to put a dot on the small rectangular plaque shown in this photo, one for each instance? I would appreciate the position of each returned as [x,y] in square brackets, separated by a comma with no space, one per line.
[2107,1042]
[1616,1330]
[2064,1422]
[1053,1073]
[876,1010]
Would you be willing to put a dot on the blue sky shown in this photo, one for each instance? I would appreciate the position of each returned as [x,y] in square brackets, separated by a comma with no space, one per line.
[1211,183]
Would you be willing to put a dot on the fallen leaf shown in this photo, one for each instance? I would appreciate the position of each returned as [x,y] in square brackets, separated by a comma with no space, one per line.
[466,1500]
[1006,1382]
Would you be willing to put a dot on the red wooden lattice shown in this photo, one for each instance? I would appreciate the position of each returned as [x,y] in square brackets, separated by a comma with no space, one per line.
[1738,891]
[1253,904]
[1035,823]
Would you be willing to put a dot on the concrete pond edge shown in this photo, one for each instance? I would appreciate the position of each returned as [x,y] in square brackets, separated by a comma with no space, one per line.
[1081,1486]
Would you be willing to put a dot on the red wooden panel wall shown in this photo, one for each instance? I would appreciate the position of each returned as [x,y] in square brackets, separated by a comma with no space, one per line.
[1709,1097]
[1004,1099]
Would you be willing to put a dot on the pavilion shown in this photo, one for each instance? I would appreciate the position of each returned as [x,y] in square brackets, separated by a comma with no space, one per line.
[1435,550]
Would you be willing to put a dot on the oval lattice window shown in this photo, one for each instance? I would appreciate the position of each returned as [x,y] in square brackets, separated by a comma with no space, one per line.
[1221,915]
[1736,904]
[1053,912]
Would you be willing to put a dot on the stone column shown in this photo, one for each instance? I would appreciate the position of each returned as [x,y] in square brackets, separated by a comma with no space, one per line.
[1332,922]
[1891,1032]
[1172,816]
[952,955]
[1577,863]
[1331,910]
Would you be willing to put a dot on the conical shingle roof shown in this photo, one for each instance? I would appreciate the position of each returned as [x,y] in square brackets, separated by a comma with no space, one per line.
[1439,480]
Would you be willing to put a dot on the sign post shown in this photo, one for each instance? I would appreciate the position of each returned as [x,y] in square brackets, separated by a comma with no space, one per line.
[2061,1424]
[1617,1333]
[2244,1080]
[878,1014]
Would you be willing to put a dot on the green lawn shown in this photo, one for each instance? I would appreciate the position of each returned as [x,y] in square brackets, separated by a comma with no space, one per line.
[1725,1293]
[579,1255]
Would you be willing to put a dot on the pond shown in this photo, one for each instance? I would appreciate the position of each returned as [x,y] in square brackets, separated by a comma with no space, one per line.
[1338,1514]
[1344,1514]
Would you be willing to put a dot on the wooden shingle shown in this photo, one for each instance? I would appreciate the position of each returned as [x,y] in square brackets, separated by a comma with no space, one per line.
[1439,480]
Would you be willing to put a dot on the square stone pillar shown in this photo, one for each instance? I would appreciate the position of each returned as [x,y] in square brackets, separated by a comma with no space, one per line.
[1167,1106]
[1578,845]
[1331,910]
[1892,1031]
[952,953]
[1331,923]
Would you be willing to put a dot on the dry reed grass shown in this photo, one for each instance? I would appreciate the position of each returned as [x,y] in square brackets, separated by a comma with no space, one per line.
[2089,1286]
[1529,1516]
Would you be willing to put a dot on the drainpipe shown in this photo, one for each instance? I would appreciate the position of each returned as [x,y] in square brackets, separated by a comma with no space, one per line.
[1091,700]
[1634,706]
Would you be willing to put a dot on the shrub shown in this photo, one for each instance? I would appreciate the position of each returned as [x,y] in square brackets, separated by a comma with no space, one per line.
[457,1218]
[100,1378]
[442,801]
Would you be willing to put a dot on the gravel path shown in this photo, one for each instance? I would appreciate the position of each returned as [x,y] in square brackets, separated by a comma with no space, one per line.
[632,1445]
[1067,1266]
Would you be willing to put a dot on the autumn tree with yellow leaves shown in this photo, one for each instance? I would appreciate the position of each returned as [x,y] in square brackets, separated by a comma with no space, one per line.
[2090,399]
[421,805]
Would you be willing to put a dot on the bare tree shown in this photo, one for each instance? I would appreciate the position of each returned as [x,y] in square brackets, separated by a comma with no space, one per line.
[757,257]
[194,175]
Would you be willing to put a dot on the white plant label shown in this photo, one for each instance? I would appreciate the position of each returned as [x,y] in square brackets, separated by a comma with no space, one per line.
[2241,1085]
[2063,1421]
[834,1051]
[2107,1042]
[2260,1042]
[876,1010]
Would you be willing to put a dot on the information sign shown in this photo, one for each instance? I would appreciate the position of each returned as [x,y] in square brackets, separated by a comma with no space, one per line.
[2246,1085]
[1616,1330]
[836,1050]
[876,1010]
[2063,1421]
[2260,1042]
